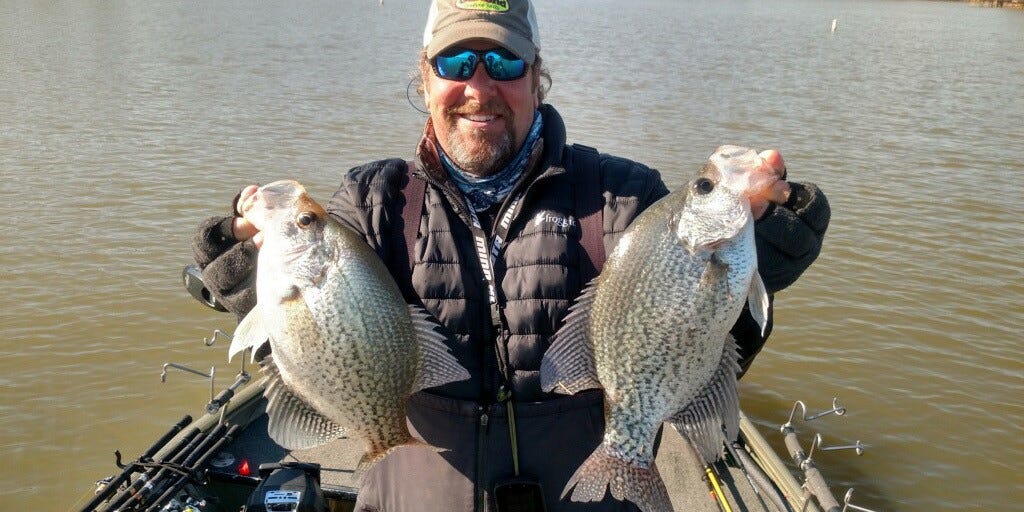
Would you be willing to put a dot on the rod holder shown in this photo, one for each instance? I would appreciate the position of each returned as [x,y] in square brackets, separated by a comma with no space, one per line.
[212,375]
[213,339]
[836,409]
[849,506]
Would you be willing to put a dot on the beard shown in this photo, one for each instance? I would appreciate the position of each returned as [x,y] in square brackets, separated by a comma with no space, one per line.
[478,152]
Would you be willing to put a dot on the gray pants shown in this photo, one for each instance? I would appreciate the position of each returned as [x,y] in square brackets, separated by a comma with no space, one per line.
[554,438]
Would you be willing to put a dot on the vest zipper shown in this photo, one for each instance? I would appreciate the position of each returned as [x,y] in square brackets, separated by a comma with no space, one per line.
[479,498]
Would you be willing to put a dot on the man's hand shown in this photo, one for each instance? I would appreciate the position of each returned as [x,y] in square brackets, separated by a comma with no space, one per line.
[778,192]
[243,228]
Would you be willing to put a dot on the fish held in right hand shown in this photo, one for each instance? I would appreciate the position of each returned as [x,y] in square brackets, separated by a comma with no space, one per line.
[347,351]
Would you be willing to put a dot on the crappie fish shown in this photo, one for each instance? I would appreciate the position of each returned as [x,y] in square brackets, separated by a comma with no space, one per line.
[347,351]
[652,329]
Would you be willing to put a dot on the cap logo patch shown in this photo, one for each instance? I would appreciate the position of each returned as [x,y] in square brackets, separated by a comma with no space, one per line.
[483,5]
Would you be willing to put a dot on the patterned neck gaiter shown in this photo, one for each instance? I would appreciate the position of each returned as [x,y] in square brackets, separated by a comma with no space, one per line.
[482,193]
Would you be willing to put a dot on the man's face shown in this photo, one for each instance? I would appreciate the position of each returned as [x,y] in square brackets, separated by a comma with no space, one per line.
[481,123]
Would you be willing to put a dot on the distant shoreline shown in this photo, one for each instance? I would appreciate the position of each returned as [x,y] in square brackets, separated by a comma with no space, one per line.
[1012,4]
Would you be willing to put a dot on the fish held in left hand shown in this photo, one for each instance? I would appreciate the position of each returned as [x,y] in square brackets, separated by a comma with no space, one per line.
[346,350]
[652,329]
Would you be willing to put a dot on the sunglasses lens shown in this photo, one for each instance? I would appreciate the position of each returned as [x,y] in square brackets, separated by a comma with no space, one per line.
[504,67]
[459,65]
[456,66]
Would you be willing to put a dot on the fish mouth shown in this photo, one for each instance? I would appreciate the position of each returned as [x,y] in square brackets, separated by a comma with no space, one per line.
[761,182]
[742,171]
[246,200]
[269,195]
[280,192]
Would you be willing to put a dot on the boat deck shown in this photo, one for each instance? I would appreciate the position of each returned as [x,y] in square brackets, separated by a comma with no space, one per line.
[683,475]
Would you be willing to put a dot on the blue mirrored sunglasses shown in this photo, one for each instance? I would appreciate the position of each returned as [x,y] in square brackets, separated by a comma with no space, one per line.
[459,64]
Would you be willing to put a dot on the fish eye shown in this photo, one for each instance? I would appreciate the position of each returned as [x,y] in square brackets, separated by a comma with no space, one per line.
[306,218]
[703,186]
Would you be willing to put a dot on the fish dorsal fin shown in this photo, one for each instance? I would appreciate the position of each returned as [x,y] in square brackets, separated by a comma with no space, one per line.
[437,366]
[250,333]
[294,424]
[715,406]
[568,366]
[757,299]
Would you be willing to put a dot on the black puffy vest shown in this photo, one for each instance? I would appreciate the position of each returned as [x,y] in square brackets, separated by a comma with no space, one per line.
[538,270]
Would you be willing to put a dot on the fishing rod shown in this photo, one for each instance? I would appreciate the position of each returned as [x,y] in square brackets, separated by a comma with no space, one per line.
[111,486]
[152,469]
[193,467]
[814,481]
[710,479]
[756,477]
[180,464]
[716,488]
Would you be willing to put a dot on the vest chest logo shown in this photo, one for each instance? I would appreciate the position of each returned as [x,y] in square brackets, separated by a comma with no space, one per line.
[548,218]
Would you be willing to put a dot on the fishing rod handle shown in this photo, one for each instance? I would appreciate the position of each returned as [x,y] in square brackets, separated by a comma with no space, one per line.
[793,445]
[222,439]
[815,482]
[113,485]
[130,495]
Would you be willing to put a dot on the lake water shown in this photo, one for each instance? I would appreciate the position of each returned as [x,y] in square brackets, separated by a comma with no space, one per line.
[123,124]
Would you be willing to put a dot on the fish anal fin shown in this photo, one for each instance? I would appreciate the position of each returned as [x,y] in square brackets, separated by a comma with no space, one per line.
[712,418]
[250,333]
[568,365]
[294,423]
[437,366]
[603,472]
[757,299]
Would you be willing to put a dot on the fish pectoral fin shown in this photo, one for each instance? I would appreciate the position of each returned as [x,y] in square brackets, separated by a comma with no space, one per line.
[250,333]
[294,423]
[712,418]
[715,271]
[757,300]
[568,366]
[437,366]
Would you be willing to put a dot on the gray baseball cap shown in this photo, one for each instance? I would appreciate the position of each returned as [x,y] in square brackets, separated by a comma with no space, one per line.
[509,23]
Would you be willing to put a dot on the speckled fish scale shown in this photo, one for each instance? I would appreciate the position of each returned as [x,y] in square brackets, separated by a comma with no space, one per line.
[653,330]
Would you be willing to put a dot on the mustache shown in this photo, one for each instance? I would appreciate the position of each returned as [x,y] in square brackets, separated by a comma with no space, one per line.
[477,108]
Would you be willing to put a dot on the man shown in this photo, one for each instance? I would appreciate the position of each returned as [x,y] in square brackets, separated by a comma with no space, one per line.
[495,171]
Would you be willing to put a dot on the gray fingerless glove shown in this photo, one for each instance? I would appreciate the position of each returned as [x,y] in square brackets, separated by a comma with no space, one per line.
[229,267]
[789,236]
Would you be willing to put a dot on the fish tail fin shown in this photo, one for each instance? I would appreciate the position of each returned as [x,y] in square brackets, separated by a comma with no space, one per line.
[604,471]
[713,417]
